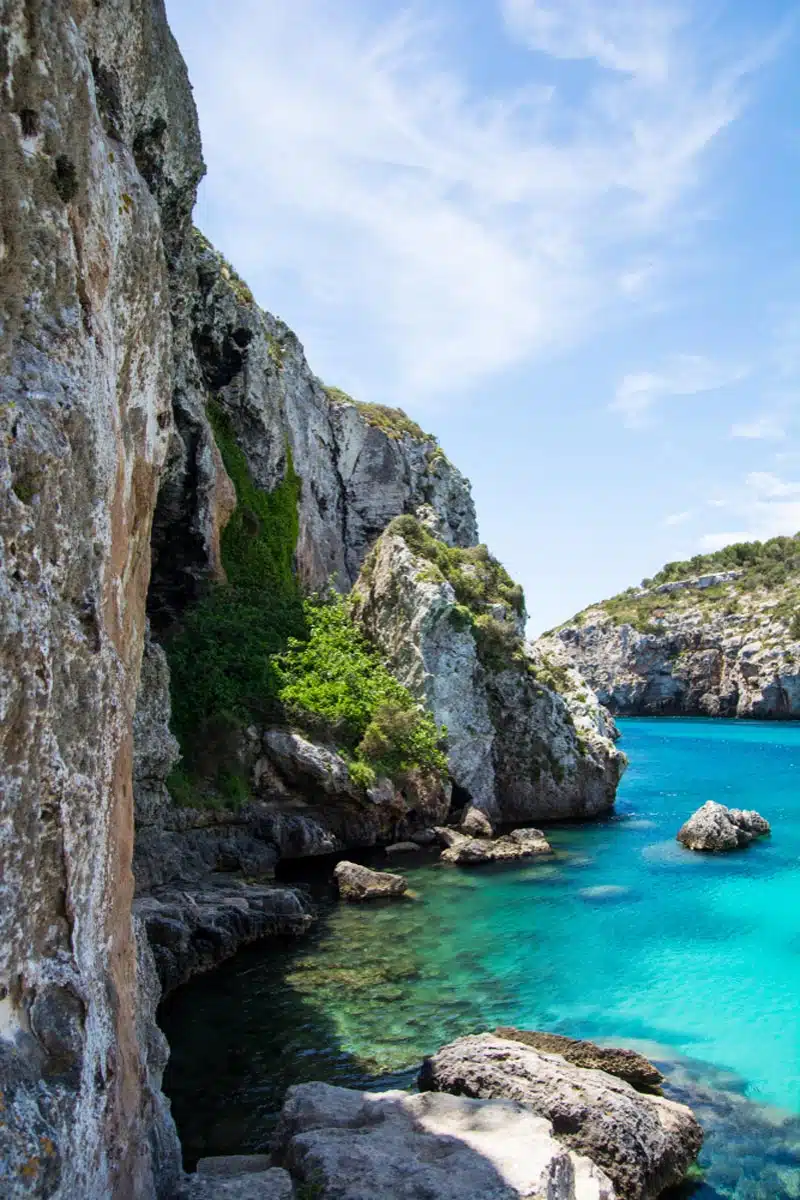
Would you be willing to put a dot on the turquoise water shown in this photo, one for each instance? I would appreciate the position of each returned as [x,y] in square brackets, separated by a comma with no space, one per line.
[625,937]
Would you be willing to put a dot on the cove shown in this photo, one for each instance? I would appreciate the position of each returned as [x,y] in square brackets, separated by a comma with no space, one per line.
[625,937]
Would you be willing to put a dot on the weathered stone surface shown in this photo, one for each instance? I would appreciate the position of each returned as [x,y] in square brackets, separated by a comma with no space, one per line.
[100,160]
[393,1146]
[517,749]
[155,748]
[468,851]
[715,827]
[644,1143]
[476,824]
[272,1184]
[194,927]
[225,1165]
[402,848]
[625,1064]
[360,883]
[736,658]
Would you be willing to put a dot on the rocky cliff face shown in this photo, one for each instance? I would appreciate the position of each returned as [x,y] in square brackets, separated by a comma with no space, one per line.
[717,643]
[100,160]
[526,739]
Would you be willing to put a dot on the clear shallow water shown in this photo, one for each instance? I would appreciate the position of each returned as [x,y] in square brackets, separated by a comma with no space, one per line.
[626,937]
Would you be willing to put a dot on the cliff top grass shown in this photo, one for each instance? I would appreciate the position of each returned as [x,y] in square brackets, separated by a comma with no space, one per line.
[238,286]
[477,578]
[394,422]
[768,583]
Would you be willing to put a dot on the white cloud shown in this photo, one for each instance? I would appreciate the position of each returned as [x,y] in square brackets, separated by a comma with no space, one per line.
[451,233]
[679,518]
[768,505]
[760,428]
[681,375]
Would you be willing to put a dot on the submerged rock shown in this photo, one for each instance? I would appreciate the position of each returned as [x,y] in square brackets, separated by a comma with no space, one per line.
[360,883]
[645,1143]
[520,843]
[715,827]
[393,1146]
[634,1068]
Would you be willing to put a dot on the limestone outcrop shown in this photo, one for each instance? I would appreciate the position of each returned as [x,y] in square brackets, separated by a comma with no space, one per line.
[100,162]
[356,882]
[644,1143]
[634,1068]
[465,851]
[715,827]
[719,643]
[394,1146]
[518,749]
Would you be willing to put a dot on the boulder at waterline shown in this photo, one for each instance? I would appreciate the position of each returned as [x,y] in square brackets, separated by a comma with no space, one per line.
[360,883]
[715,827]
[645,1143]
[394,1146]
[402,848]
[473,851]
[476,824]
[634,1068]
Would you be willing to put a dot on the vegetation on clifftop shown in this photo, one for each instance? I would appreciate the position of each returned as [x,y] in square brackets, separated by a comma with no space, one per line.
[392,421]
[769,580]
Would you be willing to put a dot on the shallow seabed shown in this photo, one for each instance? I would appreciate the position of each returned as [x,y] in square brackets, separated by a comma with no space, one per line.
[625,937]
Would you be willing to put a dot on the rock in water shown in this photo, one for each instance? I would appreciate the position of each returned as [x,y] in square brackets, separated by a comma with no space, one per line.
[644,1143]
[476,824]
[392,1146]
[715,827]
[359,883]
[634,1068]
[473,851]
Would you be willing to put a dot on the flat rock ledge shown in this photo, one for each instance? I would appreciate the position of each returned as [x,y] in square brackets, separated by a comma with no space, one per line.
[645,1144]
[195,926]
[715,827]
[634,1068]
[464,850]
[351,1145]
[360,883]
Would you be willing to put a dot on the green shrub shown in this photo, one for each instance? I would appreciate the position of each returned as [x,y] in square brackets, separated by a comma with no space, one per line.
[477,578]
[393,421]
[497,642]
[335,680]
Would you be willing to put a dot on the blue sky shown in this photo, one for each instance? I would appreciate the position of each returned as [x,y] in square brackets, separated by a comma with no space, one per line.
[564,235]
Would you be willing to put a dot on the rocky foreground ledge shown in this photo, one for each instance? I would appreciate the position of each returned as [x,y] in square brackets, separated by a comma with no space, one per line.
[495,1118]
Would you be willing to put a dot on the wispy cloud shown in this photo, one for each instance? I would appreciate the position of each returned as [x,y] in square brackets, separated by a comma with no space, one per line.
[681,375]
[453,232]
[767,504]
[679,518]
[764,428]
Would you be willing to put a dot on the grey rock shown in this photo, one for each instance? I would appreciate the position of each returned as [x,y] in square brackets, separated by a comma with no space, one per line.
[194,927]
[393,1146]
[273,1184]
[155,748]
[476,824]
[402,848]
[644,1143]
[634,1068]
[225,1165]
[518,749]
[355,882]
[715,827]
[468,851]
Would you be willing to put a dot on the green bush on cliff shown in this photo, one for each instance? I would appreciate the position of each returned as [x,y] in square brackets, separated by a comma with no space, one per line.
[392,421]
[221,660]
[336,683]
[477,578]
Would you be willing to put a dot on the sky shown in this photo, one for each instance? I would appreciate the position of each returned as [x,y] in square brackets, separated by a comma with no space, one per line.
[563,235]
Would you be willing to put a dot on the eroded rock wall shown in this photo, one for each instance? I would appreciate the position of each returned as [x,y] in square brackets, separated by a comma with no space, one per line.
[100,156]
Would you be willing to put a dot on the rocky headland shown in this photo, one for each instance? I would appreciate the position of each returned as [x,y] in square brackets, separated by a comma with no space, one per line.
[198,536]
[716,636]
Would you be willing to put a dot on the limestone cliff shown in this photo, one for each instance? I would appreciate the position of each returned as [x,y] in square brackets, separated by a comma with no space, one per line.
[526,740]
[100,157]
[716,636]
